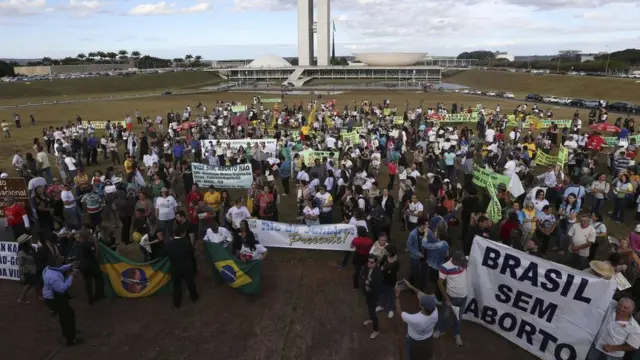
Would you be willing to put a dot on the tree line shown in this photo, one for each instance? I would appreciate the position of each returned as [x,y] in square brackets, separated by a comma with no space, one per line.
[617,61]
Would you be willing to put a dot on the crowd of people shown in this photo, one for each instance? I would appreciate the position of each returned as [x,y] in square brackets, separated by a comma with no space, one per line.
[559,214]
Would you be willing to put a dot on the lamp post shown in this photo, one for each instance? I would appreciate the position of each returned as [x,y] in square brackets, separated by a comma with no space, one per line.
[606,69]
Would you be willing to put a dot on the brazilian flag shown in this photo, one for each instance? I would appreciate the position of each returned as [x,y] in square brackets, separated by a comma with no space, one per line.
[244,276]
[128,279]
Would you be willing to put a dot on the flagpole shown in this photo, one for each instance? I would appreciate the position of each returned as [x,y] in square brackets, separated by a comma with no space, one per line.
[333,47]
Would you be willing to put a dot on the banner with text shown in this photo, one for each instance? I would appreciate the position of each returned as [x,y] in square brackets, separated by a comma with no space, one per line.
[9,261]
[268,146]
[300,236]
[270,100]
[309,156]
[545,159]
[16,187]
[548,309]
[99,125]
[239,108]
[462,117]
[225,177]
[481,177]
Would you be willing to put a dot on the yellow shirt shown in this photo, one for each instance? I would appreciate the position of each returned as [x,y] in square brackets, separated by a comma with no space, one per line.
[212,200]
[305,130]
[531,147]
[128,165]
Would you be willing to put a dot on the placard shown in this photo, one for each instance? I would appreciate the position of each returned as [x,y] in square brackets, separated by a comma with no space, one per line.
[300,236]
[481,176]
[9,261]
[548,309]
[309,156]
[224,177]
[268,146]
[15,187]
[100,124]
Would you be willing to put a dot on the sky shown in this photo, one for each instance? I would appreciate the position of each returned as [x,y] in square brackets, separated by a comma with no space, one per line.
[246,29]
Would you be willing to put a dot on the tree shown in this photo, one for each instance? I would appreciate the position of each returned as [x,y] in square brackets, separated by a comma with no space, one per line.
[197,61]
[112,56]
[483,56]
[188,57]
[81,57]
[92,55]
[123,55]
[102,55]
[628,56]
[47,61]
[150,62]
[6,69]
[135,54]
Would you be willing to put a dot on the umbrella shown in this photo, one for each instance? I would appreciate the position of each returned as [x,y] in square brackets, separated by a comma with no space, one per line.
[434,116]
[187,125]
[604,127]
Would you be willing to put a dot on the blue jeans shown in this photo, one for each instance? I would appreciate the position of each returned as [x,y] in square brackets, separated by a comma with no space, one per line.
[73,215]
[167,228]
[459,302]
[579,262]
[46,172]
[618,209]
[597,205]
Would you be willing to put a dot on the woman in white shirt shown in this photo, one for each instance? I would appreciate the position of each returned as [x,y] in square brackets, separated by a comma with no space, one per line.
[311,213]
[539,202]
[249,247]
[166,212]
[237,213]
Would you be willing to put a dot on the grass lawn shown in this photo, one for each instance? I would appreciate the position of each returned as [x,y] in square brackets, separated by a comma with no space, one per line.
[521,84]
[68,89]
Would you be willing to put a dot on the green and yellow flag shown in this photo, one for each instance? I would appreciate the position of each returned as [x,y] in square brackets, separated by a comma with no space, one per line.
[128,279]
[244,276]
[494,211]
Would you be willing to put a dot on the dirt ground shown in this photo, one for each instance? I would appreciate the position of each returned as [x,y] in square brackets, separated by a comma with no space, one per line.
[521,84]
[306,310]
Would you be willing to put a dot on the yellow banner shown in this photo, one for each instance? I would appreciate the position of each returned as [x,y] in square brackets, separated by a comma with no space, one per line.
[545,159]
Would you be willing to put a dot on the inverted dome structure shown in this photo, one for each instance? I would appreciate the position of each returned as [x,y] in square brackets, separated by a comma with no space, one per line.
[269,61]
[390,59]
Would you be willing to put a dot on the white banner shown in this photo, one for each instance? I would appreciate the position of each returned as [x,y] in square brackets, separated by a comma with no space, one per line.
[548,309]
[268,146]
[225,177]
[300,236]
[9,261]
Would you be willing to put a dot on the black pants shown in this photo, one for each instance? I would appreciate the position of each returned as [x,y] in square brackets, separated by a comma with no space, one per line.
[177,287]
[372,303]
[66,316]
[93,276]
[392,178]
[285,184]
[126,229]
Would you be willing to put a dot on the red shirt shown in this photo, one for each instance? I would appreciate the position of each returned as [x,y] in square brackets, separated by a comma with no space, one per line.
[507,227]
[194,195]
[393,169]
[14,214]
[595,142]
[193,214]
[362,245]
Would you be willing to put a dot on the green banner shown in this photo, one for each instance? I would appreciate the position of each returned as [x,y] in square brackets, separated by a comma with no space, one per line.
[244,276]
[482,177]
[494,211]
[309,156]
[387,111]
[239,108]
[613,140]
[563,156]
[357,129]
[271,100]
[463,117]
[353,137]
[129,279]
[545,159]
[398,120]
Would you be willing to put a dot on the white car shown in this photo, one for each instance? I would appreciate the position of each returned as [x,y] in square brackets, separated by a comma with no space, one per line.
[564,101]
[491,93]
[465,91]
[550,99]
[477,92]
[508,95]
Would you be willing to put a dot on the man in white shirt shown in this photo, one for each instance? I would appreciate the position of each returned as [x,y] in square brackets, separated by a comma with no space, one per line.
[453,274]
[618,333]
[510,166]
[421,325]
[571,144]
[217,234]
[489,135]
[71,166]
[583,235]
[71,212]
[330,142]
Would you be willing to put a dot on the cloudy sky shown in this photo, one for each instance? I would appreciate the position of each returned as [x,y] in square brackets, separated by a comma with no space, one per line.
[226,29]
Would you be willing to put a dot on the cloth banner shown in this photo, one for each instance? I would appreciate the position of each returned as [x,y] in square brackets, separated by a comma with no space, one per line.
[301,236]
[563,156]
[548,309]
[99,125]
[270,100]
[129,279]
[357,129]
[268,146]
[225,177]
[9,269]
[386,111]
[239,108]
[481,177]
[463,117]
[494,210]
[353,137]
[243,276]
[309,156]
[545,159]
[398,120]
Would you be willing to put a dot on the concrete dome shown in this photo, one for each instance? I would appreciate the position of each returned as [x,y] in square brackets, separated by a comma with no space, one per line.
[269,61]
[390,59]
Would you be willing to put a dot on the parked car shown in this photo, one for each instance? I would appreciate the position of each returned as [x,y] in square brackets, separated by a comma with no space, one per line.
[636,109]
[564,101]
[465,91]
[477,92]
[550,99]
[533,97]
[576,102]
[591,104]
[500,94]
[508,95]
[491,93]
[621,106]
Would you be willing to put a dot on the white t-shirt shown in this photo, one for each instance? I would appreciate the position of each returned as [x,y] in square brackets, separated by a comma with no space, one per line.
[581,236]
[311,212]
[238,214]
[489,135]
[330,142]
[456,278]
[166,208]
[420,326]
[68,196]
[71,163]
[614,332]
[222,235]
[354,221]
[417,207]
[324,200]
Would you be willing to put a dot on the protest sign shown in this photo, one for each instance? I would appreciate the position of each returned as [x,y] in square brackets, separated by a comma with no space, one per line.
[548,309]
[239,108]
[494,211]
[9,261]
[99,125]
[268,146]
[270,100]
[15,187]
[481,177]
[357,129]
[387,111]
[225,177]
[301,236]
[309,156]
[563,155]
[545,159]
[543,124]
[462,117]
[352,137]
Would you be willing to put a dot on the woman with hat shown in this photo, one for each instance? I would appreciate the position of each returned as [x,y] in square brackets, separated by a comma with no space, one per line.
[27,266]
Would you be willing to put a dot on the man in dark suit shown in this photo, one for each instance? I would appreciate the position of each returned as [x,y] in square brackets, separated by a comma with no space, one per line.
[183,266]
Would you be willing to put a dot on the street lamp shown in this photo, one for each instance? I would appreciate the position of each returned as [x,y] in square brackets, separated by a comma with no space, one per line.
[606,69]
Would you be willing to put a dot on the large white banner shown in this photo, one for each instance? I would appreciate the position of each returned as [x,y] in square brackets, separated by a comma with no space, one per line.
[300,236]
[548,309]
[225,177]
[268,146]
[9,261]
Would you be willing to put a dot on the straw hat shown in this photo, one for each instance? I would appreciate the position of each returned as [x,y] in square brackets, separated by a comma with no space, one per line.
[23,238]
[602,268]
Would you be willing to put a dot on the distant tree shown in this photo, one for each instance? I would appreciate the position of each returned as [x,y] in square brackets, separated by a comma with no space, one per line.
[197,61]
[47,60]
[112,56]
[135,54]
[92,55]
[14,63]
[628,56]
[81,57]
[69,61]
[150,62]
[102,55]
[483,56]
[123,55]
[188,57]
[6,69]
